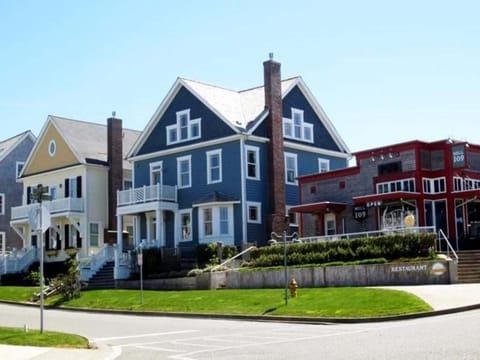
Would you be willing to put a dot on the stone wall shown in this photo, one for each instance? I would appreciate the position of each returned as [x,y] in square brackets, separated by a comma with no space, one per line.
[419,273]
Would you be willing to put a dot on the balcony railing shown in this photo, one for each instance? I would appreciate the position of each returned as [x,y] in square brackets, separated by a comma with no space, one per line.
[147,194]
[53,206]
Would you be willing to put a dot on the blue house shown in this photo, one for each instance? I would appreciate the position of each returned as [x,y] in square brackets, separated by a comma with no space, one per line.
[218,165]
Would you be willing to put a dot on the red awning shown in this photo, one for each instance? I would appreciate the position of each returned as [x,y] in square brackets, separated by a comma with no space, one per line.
[398,195]
[323,206]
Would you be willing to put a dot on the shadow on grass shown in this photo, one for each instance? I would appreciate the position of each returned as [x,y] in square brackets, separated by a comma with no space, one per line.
[269,311]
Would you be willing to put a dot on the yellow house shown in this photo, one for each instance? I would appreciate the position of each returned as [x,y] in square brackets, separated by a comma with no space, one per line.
[80,165]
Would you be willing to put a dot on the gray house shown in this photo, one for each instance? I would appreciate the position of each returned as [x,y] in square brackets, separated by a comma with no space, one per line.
[13,153]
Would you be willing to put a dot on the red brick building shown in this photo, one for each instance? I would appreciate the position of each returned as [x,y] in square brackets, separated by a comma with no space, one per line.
[437,184]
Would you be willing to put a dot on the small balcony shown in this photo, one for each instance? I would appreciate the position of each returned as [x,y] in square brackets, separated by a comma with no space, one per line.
[56,206]
[146,194]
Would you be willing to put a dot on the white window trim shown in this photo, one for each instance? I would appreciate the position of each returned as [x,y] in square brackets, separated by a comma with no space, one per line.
[304,125]
[189,212]
[209,173]
[226,239]
[17,172]
[177,128]
[295,157]
[321,162]
[256,150]
[431,184]
[153,167]
[2,203]
[287,211]
[100,238]
[258,205]
[179,174]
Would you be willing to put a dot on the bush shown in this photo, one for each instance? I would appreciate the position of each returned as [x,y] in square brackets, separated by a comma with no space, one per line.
[208,253]
[387,248]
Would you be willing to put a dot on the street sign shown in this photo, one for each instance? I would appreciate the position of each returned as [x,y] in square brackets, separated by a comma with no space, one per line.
[140,259]
[38,214]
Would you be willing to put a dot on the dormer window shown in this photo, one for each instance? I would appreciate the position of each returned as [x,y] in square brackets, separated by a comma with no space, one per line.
[296,128]
[184,129]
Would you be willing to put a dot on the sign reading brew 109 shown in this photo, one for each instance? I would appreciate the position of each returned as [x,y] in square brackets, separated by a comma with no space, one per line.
[458,156]
[360,212]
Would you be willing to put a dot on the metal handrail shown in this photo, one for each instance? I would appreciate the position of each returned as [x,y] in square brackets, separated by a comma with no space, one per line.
[388,231]
[442,236]
[233,258]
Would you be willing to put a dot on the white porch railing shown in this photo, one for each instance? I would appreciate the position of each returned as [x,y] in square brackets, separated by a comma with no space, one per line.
[53,206]
[147,194]
[17,260]
[403,230]
[91,264]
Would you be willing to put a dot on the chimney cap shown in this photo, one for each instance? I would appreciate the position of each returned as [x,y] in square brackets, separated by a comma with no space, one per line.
[270,56]
[114,113]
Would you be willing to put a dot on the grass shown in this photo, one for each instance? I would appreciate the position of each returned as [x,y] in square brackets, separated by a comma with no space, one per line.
[319,302]
[13,336]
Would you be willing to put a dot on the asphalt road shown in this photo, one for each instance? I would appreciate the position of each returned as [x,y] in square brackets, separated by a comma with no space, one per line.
[454,336]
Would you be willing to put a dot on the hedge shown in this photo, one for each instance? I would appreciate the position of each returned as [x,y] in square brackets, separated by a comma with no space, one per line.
[390,247]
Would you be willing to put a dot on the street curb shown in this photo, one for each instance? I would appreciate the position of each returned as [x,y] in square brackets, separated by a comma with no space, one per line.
[269,318]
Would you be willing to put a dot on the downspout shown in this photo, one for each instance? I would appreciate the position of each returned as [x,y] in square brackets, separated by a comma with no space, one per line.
[243,184]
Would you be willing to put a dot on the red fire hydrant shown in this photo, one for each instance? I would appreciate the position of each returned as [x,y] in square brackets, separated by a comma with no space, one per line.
[293,288]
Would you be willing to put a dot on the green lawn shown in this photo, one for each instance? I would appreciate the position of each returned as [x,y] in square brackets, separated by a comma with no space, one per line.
[319,302]
[13,336]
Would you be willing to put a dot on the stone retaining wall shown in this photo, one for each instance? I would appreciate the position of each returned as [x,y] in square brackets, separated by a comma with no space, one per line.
[419,273]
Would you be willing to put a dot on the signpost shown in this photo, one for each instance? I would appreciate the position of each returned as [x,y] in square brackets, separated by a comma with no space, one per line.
[285,266]
[140,263]
[41,221]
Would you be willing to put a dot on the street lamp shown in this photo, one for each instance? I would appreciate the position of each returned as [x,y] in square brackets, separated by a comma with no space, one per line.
[284,237]
[39,194]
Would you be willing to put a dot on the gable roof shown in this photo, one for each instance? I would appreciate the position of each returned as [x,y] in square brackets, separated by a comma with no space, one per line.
[7,146]
[241,110]
[87,140]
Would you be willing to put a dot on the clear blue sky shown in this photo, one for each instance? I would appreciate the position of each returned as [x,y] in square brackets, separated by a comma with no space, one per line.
[384,71]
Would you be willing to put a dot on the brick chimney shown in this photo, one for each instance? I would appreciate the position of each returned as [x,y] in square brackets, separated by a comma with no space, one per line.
[115,163]
[276,163]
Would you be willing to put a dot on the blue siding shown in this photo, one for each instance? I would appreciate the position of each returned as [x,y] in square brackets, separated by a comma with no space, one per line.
[322,138]
[212,127]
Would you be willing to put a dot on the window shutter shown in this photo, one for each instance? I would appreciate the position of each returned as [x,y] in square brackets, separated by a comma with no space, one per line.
[79,240]
[79,186]
[47,239]
[67,236]
[59,244]
[67,188]
[29,189]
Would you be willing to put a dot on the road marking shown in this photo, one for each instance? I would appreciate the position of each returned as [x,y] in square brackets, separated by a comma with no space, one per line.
[145,335]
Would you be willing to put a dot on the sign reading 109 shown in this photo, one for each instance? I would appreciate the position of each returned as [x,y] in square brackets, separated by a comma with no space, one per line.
[360,212]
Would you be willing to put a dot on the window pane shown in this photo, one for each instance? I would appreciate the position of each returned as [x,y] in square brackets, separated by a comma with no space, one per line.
[94,234]
[186,227]
[195,130]
[223,220]
[207,221]
[253,213]
[287,129]
[307,133]
[172,135]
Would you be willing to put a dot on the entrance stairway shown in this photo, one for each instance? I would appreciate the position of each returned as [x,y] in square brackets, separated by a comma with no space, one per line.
[469,266]
[103,279]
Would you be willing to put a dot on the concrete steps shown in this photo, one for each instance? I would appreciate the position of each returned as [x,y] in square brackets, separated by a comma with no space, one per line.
[469,266]
[103,279]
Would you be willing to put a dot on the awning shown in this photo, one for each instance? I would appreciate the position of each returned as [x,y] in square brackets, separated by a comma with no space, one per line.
[397,195]
[323,206]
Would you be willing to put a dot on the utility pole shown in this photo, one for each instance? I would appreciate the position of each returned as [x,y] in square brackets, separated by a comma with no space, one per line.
[39,194]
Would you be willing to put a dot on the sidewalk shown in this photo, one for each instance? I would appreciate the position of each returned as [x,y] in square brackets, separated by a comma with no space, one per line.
[442,298]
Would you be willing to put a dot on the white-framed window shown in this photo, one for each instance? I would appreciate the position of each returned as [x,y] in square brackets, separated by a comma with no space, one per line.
[434,186]
[323,165]
[254,212]
[127,184]
[253,162]
[291,169]
[330,224]
[184,172]
[2,241]
[186,224]
[2,204]
[216,223]
[18,168]
[184,129]
[296,128]
[214,166]
[405,185]
[292,216]
[94,234]
[52,148]
[156,176]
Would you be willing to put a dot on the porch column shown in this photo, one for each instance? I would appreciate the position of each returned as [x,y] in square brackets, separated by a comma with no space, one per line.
[159,222]
[177,228]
